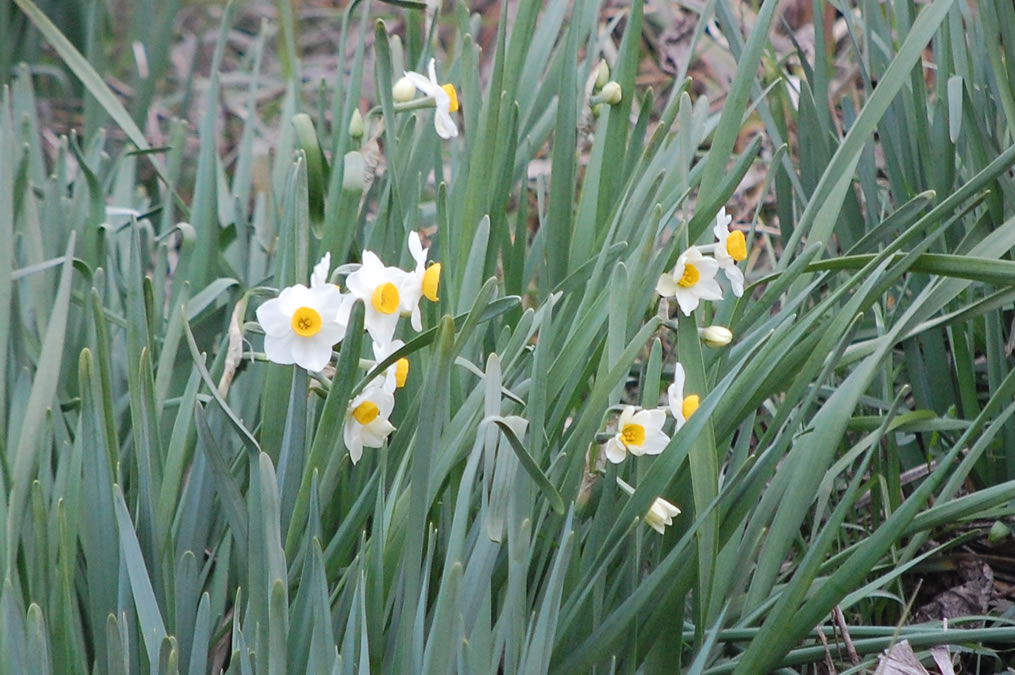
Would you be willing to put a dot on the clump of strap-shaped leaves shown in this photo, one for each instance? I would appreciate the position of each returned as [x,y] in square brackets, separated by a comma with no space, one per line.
[174,502]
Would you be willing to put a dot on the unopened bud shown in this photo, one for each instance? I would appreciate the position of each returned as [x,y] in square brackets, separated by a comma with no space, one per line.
[356,124]
[612,93]
[603,75]
[716,336]
[403,91]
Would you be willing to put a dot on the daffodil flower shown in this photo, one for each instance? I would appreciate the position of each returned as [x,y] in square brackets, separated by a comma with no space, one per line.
[366,422]
[638,433]
[731,249]
[302,324]
[659,515]
[422,282]
[377,286]
[444,96]
[691,280]
[682,407]
[398,372]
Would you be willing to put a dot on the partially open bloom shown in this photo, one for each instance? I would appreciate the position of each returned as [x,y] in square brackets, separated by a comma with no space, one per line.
[302,324]
[398,372]
[681,406]
[660,515]
[366,422]
[377,286]
[420,283]
[444,96]
[731,249]
[640,433]
[690,281]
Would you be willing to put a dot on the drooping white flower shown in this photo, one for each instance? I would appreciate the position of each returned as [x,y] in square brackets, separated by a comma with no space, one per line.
[691,280]
[731,249]
[397,373]
[377,286]
[445,97]
[302,324]
[681,407]
[422,282]
[660,514]
[640,433]
[366,422]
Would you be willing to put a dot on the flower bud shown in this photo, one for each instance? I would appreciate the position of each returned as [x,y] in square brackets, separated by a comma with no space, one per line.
[356,124]
[716,336]
[403,91]
[612,93]
[603,74]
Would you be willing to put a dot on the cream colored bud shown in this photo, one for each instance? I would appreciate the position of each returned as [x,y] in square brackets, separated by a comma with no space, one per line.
[612,93]
[403,91]
[716,336]
[603,75]
[356,124]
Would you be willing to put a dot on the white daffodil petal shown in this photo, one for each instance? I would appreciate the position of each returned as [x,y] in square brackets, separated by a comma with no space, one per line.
[655,441]
[353,444]
[420,83]
[319,277]
[687,301]
[278,349]
[707,267]
[416,249]
[272,319]
[666,286]
[654,418]
[615,451]
[375,433]
[444,125]
[709,289]
[736,279]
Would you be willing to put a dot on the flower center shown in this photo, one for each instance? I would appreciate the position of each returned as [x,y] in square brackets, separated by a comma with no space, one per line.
[431,279]
[401,372]
[306,322]
[449,89]
[690,405]
[736,245]
[366,412]
[633,434]
[385,298]
[690,276]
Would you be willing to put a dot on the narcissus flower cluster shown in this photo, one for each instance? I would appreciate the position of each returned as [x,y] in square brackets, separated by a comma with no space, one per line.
[303,324]
[692,279]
